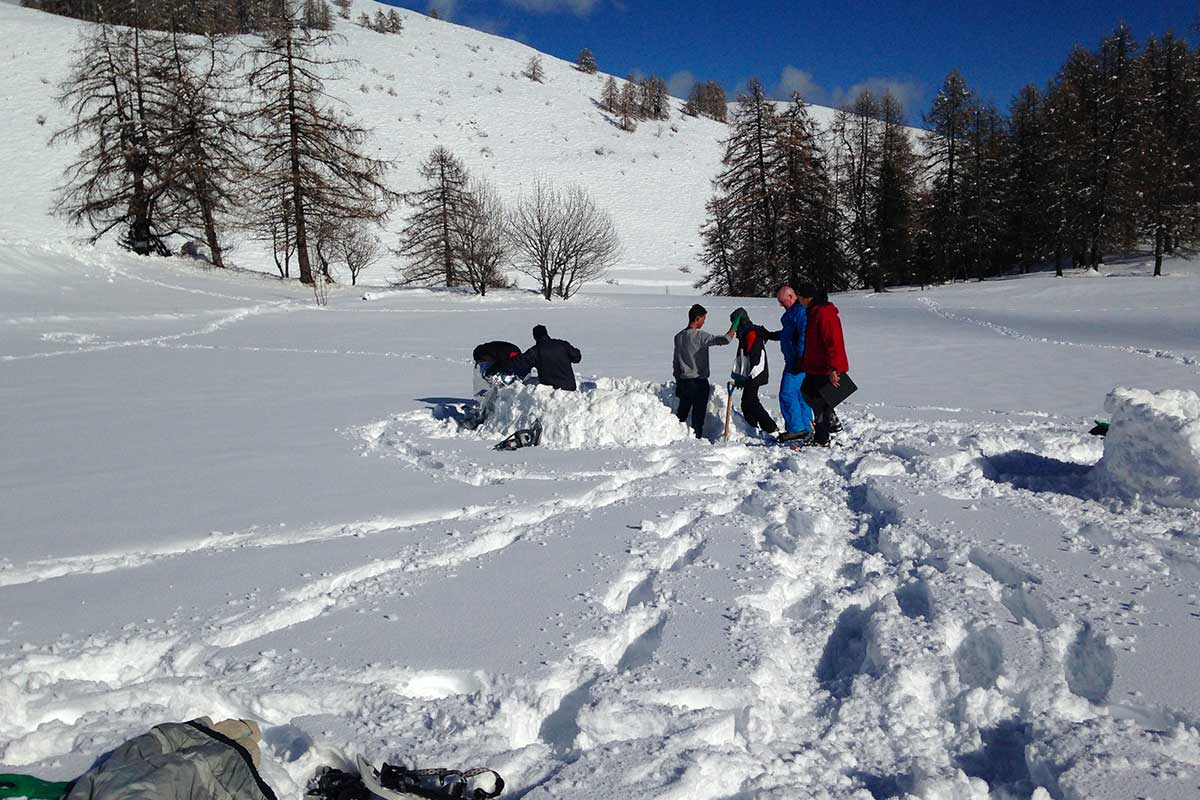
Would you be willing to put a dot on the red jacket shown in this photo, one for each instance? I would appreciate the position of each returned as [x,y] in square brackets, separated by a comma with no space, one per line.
[824,350]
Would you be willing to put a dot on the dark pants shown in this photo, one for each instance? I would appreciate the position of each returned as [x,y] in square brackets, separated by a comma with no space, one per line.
[753,411]
[823,415]
[693,399]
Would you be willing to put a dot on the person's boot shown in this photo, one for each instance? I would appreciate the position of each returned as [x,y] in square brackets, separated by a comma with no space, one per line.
[821,436]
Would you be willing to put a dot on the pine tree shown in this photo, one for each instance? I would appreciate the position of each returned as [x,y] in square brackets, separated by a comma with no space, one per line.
[748,203]
[427,241]
[317,15]
[395,24]
[653,99]
[707,99]
[204,135]
[808,218]
[610,96]
[946,154]
[983,191]
[1029,192]
[364,20]
[586,62]
[856,135]
[534,70]
[629,106]
[310,164]
[379,22]
[895,197]
[121,177]
[344,7]
[1166,124]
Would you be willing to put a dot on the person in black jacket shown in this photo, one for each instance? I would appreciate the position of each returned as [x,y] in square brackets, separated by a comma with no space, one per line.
[552,358]
[750,368]
[499,358]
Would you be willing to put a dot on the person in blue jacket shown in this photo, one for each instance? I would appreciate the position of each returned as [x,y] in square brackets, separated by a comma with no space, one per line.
[797,414]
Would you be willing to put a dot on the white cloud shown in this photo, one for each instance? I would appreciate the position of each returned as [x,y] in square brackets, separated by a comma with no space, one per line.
[580,7]
[908,92]
[680,84]
[794,80]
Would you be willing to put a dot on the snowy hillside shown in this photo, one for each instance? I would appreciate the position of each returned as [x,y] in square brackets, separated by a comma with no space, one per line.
[435,84]
[217,498]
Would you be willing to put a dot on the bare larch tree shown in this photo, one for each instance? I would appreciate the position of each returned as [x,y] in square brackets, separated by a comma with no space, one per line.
[426,242]
[308,154]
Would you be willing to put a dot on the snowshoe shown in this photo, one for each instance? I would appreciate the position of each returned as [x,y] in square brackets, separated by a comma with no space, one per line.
[527,437]
[793,438]
[333,784]
[835,424]
[400,783]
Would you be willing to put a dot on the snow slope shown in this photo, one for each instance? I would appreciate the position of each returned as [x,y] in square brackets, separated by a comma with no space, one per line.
[435,84]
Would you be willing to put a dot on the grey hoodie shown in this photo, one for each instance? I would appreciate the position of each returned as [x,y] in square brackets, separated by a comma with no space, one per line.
[691,353]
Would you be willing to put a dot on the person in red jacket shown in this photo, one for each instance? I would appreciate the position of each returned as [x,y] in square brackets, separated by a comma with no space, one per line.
[824,358]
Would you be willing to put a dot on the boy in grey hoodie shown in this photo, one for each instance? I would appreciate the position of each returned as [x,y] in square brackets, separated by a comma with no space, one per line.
[690,366]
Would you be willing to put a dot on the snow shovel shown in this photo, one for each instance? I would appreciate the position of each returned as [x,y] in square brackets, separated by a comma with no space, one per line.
[728,407]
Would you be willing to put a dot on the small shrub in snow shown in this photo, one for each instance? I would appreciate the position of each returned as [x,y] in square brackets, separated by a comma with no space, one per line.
[392,91]
[364,89]
[41,119]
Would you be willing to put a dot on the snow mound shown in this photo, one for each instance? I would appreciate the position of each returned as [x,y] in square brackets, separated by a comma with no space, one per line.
[609,412]
[1152,450]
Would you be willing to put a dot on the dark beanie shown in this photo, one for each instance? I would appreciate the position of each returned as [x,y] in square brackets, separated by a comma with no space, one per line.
[696,312]
[807,289]
[539,333]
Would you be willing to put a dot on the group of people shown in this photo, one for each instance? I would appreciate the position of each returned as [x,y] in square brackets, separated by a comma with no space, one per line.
[814,356]
[810,340]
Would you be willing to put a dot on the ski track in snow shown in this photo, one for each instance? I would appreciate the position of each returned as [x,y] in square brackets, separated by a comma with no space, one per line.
[874,627]
[1146,352]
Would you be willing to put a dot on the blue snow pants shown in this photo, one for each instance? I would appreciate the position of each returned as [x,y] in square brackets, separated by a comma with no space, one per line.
[797,414]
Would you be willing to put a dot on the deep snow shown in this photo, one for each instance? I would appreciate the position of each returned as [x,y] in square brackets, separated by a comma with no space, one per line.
[217,498]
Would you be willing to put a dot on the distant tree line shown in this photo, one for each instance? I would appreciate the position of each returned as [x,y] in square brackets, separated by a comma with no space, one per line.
[196,16]
[636,99]
[179,137]
[1104,159]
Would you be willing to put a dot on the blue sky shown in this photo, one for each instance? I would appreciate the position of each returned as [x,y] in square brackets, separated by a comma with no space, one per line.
[827,50]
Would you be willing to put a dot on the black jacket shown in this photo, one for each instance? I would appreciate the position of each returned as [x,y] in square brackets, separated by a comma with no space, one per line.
[552,358]
[502,356]
[750,366]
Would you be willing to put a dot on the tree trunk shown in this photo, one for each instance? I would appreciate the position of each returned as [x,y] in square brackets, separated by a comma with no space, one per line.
[306,273]
[210,231]
[1058,270]
[1159,236]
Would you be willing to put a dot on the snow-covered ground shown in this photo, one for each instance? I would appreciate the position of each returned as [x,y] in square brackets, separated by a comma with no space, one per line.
[219,499]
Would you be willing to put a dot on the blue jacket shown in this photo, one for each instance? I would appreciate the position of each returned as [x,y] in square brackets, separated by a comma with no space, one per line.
[791,337]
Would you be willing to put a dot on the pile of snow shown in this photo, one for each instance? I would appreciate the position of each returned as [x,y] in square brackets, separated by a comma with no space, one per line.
[1152,450]
[610,412]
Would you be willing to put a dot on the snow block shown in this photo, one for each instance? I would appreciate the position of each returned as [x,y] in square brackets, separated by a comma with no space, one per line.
[609,412]
[1152,451]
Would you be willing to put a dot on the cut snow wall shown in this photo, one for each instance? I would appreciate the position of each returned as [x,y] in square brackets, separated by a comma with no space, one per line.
[1152,450]
[609,412]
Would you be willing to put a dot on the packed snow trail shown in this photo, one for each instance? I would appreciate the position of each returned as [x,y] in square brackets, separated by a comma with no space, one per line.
[791,621]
